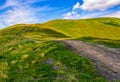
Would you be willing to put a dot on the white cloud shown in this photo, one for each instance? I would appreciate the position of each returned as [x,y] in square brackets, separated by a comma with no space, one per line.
[13,3]
[71,15]
[98,4]
[76,6]
[17,15]
[21,12]
[91,6]
[115,14]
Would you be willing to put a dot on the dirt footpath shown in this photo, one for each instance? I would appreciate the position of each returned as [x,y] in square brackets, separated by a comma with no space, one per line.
[106,60]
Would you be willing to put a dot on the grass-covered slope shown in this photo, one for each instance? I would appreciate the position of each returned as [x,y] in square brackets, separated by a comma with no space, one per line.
[103,41]
[98,27]
[38,32]
[108,28]
[26,57]
[28,52]
[26,60]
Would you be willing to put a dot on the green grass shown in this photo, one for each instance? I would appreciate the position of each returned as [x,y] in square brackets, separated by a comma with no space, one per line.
[64,29]
[39,32]
[102,41]
[98,27]
[44,61]
[29,52]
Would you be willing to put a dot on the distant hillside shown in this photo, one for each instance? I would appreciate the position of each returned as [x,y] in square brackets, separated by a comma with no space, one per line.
[98,27]
[108,28]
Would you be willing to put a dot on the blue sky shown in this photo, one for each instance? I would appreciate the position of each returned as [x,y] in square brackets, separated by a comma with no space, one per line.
[39,11]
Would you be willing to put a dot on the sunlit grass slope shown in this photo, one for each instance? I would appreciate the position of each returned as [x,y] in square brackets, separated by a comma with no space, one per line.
[108,28]
[29,54]
[33,31]
[27,59]
[98,27]
[39,32]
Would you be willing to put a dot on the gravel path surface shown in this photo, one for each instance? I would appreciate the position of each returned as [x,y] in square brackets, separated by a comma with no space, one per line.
[106,60]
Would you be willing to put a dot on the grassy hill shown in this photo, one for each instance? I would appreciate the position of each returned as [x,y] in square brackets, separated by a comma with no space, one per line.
[29,52]
[98,27]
